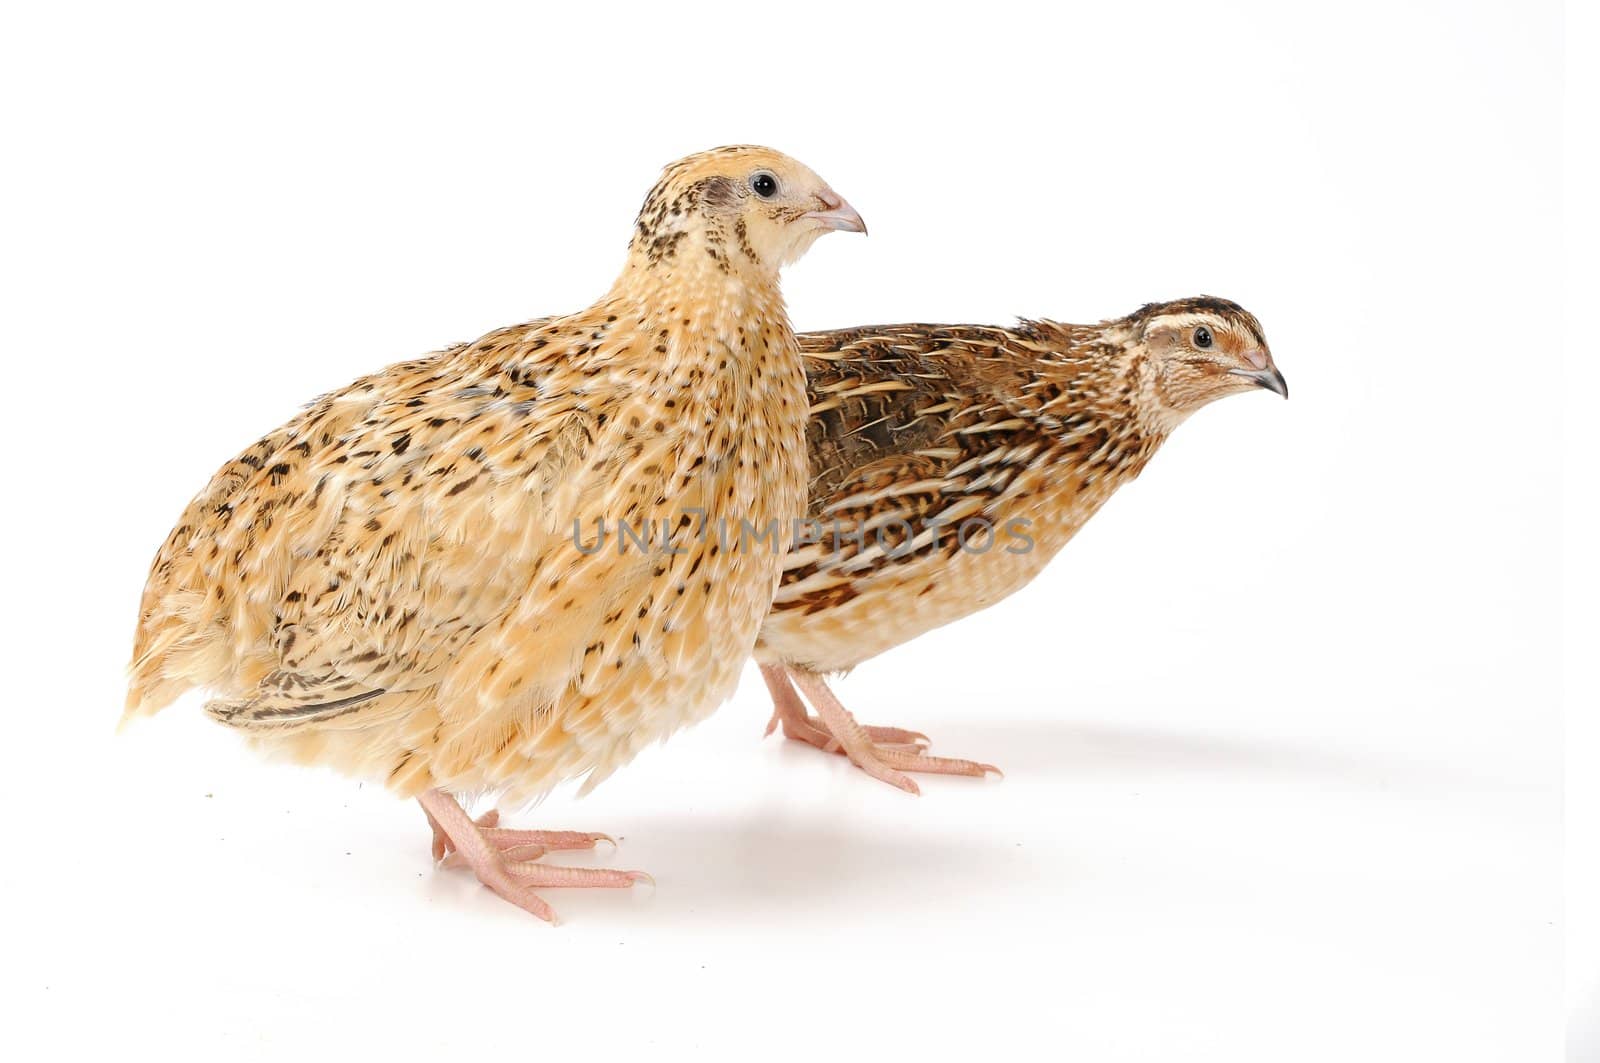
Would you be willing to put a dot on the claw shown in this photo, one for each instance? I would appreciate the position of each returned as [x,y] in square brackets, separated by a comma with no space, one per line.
[878,751]
[508,861]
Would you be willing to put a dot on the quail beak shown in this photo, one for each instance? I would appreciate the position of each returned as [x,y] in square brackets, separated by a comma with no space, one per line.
[837,214]
[1268,378]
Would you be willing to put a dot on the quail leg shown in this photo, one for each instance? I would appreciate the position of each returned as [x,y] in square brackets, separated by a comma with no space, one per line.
[885,753]
[506,860]
[508,841]
[800,725]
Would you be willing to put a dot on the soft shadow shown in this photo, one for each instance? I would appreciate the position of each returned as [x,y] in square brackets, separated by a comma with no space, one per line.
[847,859]
[768,865]
[1062,748]
[777,859]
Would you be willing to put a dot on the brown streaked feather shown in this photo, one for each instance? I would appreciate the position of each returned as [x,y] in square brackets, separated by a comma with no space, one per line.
[917,428]
[392,584]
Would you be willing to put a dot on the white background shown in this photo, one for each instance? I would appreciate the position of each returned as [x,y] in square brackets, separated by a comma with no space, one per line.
[1282,726]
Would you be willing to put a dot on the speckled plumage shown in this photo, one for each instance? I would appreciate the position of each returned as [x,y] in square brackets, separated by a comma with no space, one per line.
[390,583]
[1022,432]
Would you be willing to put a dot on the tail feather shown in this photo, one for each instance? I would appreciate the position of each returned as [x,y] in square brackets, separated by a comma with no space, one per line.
[285,701]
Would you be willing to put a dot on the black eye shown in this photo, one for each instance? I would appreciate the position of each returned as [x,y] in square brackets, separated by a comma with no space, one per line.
[1202,337]
[764,185]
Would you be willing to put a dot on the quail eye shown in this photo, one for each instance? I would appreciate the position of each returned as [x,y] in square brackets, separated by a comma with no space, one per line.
[764,185]
[1202,337]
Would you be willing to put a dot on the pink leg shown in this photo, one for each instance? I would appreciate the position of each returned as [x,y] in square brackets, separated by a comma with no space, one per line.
[442,846]
[798,724]
[508,840]
[504,860]
[885,753]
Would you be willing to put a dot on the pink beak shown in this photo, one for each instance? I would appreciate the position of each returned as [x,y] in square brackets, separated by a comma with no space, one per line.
[837,214]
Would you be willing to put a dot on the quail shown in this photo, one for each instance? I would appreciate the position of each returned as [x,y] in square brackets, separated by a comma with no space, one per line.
[401,582]
[950,463]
